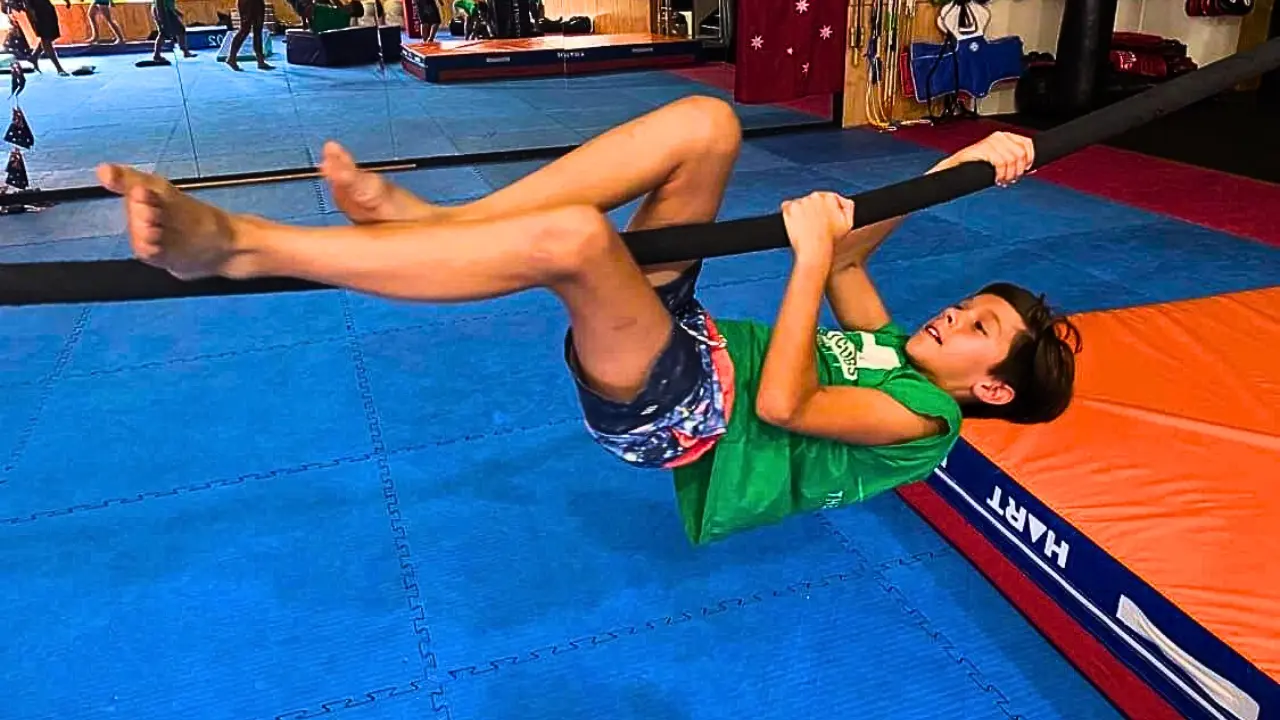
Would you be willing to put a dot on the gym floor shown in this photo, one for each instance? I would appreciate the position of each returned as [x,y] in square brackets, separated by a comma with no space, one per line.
[323,504]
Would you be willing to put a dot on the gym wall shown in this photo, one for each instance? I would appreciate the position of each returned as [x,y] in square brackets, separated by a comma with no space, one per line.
[608,16]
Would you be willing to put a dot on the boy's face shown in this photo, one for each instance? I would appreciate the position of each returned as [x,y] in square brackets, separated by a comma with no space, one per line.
[959,346]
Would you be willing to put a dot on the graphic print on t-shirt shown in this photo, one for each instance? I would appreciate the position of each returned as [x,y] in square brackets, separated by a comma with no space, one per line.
[853,350]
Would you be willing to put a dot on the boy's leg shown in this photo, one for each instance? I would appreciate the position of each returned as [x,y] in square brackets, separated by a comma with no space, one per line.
[678,157]
[620,327]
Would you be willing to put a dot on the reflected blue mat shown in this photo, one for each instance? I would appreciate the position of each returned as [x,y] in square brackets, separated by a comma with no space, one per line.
[111,247]
[195,113]
[94,218]
[271,200]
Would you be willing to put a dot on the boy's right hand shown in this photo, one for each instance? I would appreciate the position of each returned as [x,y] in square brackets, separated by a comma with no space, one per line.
[815,222]
[1011,155]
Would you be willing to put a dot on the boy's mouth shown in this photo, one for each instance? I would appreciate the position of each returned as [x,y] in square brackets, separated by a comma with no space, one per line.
[933,333]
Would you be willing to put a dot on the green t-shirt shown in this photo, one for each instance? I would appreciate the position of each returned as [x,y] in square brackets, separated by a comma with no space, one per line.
[467,6]
[758,474]
[326,17]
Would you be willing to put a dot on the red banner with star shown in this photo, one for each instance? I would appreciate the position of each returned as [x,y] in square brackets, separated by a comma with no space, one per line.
[789,49]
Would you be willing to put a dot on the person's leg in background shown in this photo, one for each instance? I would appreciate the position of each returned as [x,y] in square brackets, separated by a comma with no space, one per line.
[259,25]
[102,9]
[429,16]
[437,15]
[253,14]
[157,14]
[44,21]
[180,31]
[168,27]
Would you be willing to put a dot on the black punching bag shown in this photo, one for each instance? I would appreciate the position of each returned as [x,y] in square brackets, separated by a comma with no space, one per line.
[512,19]
[1084,49]
[1269,91]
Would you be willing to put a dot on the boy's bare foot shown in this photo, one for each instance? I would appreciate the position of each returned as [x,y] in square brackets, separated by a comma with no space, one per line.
[173,231]
[366,197]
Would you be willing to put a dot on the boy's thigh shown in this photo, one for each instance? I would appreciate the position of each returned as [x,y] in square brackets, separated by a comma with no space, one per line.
[678,398]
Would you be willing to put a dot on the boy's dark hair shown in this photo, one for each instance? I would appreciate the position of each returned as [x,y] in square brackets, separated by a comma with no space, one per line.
[1041,364]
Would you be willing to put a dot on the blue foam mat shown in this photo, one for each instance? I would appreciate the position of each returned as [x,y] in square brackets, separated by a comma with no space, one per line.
[997,648]
[249,599]
[125,426]
[486,524]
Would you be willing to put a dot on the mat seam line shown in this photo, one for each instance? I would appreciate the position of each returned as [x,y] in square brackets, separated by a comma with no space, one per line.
[463,672]
[46,385]
[399,533]
[1001,700]
[274,473]
[332,707]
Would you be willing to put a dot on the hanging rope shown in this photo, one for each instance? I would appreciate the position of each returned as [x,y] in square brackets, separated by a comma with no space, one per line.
[892,29]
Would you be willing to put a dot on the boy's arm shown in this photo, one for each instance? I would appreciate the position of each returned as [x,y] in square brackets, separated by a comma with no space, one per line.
[789,395]
[850,291]
[853,297]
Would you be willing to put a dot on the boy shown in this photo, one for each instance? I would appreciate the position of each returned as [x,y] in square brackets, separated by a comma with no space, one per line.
[756,422]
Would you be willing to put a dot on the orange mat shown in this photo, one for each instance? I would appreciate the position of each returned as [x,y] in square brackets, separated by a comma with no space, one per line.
[1169,458]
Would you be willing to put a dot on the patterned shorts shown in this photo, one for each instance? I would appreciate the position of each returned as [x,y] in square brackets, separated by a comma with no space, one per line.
[682,410]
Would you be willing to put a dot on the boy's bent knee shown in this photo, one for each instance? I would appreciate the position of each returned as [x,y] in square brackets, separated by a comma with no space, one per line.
[711,125]
[567,240]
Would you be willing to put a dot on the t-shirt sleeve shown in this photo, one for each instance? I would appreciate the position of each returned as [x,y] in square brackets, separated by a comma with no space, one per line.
[894,333]
[922,397]
[896,465]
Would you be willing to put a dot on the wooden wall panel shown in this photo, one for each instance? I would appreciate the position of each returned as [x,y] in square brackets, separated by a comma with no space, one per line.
[856,77]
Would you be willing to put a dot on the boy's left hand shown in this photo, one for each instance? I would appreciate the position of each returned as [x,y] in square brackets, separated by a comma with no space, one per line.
[815,222]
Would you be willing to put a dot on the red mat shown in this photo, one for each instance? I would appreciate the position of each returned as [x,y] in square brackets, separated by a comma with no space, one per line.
[1211,199]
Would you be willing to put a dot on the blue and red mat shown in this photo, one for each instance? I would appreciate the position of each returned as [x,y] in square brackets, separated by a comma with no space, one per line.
[326,505]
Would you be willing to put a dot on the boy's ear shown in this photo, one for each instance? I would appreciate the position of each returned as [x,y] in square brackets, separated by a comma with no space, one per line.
[993,392]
